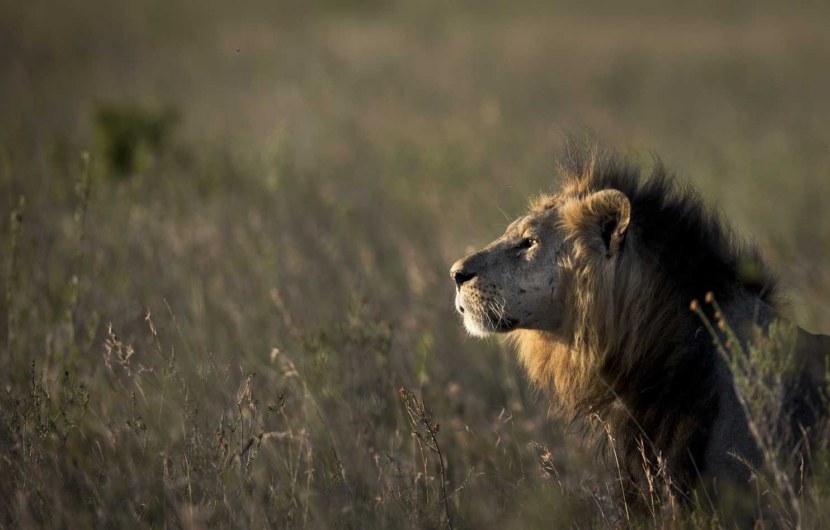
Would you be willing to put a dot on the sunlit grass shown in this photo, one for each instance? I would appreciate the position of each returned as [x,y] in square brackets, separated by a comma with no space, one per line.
[213,328]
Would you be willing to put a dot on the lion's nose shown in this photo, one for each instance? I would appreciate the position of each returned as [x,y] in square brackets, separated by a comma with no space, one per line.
[460,275]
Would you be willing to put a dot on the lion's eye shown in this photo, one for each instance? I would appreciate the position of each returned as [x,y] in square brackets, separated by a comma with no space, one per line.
[526,243]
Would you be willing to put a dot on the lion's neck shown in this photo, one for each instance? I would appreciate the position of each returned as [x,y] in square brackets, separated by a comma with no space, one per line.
[656,385]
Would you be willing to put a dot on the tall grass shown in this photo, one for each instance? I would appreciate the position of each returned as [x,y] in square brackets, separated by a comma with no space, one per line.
[208,321]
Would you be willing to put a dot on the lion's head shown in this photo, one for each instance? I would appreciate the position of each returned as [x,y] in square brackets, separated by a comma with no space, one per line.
[555,280]
[521,280]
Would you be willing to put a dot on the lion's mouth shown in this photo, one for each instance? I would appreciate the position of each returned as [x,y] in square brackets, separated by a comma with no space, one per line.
[505,324]
[483,324]
[483,316]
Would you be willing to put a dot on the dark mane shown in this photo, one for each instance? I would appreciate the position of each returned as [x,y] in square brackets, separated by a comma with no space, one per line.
[694,246]
[658,363]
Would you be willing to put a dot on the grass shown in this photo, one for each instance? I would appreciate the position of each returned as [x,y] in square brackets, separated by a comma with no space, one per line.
[208,319]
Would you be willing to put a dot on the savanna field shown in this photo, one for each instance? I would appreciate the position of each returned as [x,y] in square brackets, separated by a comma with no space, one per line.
[227,233]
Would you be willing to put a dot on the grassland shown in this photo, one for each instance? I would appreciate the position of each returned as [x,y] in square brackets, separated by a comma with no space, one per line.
[227,229]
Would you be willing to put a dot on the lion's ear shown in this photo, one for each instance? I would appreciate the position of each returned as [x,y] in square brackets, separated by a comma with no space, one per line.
[611,211]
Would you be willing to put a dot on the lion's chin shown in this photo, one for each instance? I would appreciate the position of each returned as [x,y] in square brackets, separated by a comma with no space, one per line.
[480,329]
[475,329]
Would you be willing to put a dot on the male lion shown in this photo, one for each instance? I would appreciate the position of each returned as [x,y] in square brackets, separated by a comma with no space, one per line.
[594,286]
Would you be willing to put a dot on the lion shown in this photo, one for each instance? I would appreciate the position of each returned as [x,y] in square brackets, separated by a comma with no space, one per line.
[594,285]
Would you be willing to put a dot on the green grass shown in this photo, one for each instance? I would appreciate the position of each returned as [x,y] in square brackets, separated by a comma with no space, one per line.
[216,331]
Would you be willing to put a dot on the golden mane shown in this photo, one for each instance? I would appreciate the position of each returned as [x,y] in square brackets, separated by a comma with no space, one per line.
[628,333]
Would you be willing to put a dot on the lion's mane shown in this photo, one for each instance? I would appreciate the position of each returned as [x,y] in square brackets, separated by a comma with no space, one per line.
[635,357]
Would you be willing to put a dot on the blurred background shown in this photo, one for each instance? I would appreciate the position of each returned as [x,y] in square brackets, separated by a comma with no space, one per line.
[224,221]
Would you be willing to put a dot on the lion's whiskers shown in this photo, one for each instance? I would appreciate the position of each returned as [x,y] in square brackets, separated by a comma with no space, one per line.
[496,313]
